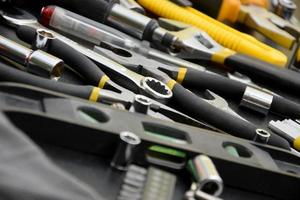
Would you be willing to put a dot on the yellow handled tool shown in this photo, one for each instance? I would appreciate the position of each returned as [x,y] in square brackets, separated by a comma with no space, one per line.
[227,38]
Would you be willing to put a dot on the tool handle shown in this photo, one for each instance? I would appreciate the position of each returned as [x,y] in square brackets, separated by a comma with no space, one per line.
[80,63]
[261,3]
[93,9]
[285,107]
[221,10]
[11,74]
[223,36]
[219,84]
[259,70]
[190,103]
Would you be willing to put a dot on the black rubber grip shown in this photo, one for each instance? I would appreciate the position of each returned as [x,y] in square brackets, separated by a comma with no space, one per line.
[97,10]
[211,7]
[265,72]
[194,106]
[149,29]
[285,107]
[218,84]
[77,61]
[11,74]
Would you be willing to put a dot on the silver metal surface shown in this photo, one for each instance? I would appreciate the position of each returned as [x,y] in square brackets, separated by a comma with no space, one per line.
[261,136]
[209,180]
[96,33]
[42,63]
[222,104]
[127,20]
[132,5]
[125,151]
[200,195]
[141,104]
[284,8]
[286,127]
[268,23]
[42,40]
[192,43]
[14,51]
[256,100]
[37,62]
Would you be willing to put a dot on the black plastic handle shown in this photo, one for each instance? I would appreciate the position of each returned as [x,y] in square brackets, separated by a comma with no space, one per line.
[218,84]
[263,71]
[211,7]
[97,10]
[80,63]
[11,74]
[191,104]
[235,90]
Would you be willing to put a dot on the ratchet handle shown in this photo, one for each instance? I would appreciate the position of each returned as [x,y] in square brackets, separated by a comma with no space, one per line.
[93,9]
[190,103]
[77,61]
[11,74]
[266,72]
[202,80]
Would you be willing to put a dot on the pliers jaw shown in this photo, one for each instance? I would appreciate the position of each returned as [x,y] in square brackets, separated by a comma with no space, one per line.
[191,43]
[269,24]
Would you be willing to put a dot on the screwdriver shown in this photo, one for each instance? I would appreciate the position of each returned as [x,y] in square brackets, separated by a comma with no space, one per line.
[88,30]
[252,13]
[144,28]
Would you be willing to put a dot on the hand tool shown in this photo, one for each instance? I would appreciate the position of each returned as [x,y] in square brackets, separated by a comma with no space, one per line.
[250,97]
[246,94]
[125,152]
[37,62]
[230,39]
[145,28]
[134,81]
[25,105]
[205,173]
[96,94]
[254,16]
[197,107]
[287,128]
[284,8]
[132,5]
[96,33]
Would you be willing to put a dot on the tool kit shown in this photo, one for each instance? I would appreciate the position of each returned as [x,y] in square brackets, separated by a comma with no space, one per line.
[149,100]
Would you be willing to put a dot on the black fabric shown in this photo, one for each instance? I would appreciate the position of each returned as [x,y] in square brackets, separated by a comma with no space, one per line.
[285,79]
[26,173]
[11,74]
[192,105]
[77,61]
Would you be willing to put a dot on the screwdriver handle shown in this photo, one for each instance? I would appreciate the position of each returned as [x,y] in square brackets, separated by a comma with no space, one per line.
[11,74]
[94,9]
[226,38]
[262,71]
